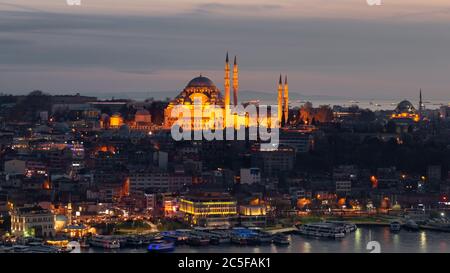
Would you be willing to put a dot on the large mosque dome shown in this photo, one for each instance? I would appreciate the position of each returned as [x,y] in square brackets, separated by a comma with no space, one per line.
[200,90]
[201,82]
[200,87]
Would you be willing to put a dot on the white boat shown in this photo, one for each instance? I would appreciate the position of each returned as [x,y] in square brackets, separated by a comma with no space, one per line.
[346,227]
[324,230]
[161,246]
[104,242]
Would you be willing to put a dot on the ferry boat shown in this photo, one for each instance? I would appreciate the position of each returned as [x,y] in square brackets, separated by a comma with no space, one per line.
[281,239]
[30,249]
[322,230]
[104,242]
[253,240]
[43,249]
[197,241]
[222,236]
[395,226]
[265,238]
[346,227]
[134,242]
[161,246]
[239,240]
[214,240]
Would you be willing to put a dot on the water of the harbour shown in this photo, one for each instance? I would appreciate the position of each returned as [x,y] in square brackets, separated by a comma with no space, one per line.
[402,242]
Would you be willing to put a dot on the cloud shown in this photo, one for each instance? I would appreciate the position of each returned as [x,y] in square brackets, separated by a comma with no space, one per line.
[325,56]
[236,8]
[19,7]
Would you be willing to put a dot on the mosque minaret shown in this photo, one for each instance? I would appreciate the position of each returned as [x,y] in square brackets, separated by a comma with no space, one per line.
[280,99]
[235,81]
[286,101]
[227,82]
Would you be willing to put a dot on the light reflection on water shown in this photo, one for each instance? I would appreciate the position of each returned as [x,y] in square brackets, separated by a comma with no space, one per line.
[423,241]
[358,239]
[404,241]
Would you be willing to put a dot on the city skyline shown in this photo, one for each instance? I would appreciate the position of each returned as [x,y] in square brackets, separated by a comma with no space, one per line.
[346,49]
[224,131]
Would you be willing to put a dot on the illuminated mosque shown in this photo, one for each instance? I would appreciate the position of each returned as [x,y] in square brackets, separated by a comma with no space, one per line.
[406,113]
[202,89]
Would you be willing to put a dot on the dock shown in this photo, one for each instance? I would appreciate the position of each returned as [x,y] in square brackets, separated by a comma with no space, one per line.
[281,230]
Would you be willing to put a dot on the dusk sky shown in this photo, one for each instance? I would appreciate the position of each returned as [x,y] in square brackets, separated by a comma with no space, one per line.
[340,48]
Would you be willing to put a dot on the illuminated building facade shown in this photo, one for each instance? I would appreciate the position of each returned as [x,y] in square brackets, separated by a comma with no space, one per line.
[32,221]
[115,121]
[209,209]
[253,215]
[142,121]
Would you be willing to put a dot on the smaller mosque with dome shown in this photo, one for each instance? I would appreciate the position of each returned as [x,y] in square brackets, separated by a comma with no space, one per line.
[405,114]
[405,111]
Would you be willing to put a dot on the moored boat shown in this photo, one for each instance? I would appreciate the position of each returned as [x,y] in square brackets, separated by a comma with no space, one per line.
[322,230]
[281,239]
[265,238]
[197,241]
[238,240]
[161,246]
[104,242]
[253,240]
[134,242]
[345,226]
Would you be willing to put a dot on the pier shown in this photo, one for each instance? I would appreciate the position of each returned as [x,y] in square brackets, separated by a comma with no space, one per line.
[281,230]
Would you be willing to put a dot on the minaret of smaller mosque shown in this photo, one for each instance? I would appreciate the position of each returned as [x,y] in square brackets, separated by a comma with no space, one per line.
[227,82]
[280,99]
[69,213]
[235,81]
[286,100]
[420,102]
